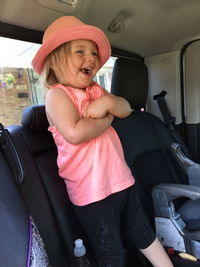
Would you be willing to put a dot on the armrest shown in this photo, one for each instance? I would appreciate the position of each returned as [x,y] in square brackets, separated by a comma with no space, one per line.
[190,168]
[184,161]
[164,194]
[174,191]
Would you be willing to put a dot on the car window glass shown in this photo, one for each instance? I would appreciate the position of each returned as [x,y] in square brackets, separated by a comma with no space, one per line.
[19,85]
[191,82]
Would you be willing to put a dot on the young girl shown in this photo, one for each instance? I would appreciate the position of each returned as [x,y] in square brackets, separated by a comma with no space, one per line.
[90,156]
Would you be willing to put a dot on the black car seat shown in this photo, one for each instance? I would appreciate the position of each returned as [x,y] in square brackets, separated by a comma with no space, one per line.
[43,190]
[14,223]
[145,139]
[20,242]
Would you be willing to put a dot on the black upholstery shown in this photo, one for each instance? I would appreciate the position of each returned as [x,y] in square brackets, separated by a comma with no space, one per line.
[145,139]
[34,118]
[43,190]
[130,80]
[14,222]
[190,213]
[146,142]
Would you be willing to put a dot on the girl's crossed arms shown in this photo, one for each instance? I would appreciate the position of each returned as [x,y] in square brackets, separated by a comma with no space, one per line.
[97,117]
[114,105]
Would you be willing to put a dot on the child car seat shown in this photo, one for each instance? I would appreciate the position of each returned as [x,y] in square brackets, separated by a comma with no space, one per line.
[146,140]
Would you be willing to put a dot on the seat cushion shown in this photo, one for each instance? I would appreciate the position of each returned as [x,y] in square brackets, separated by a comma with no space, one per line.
[190,213]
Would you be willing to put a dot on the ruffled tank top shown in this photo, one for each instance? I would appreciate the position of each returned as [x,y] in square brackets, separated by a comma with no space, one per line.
[95,169]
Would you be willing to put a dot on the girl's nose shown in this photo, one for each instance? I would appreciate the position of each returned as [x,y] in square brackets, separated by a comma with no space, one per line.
[91,58]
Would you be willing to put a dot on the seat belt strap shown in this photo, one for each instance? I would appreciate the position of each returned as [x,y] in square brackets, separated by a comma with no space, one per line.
[160,98]
[169,120]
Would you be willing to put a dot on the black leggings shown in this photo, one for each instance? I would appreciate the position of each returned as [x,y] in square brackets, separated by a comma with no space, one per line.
[114,223]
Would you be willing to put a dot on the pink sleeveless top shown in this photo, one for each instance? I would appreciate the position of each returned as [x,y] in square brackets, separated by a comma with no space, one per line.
[95,169]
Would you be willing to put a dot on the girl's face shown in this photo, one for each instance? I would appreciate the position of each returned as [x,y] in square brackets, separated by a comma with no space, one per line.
[82,63]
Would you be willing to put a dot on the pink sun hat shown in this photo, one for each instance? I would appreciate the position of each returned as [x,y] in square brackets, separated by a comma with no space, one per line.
[66,29]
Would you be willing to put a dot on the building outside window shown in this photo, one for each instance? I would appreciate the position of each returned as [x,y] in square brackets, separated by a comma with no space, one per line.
[19,85]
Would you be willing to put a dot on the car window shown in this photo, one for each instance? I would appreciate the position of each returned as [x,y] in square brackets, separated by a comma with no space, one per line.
[191,82]
[19,86]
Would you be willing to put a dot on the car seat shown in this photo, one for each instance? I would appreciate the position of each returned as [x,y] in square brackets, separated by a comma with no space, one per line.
[146,142]
[14,226]
[20,242]
[43,190]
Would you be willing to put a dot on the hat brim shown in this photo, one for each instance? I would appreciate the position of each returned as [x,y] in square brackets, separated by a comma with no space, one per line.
[86,32]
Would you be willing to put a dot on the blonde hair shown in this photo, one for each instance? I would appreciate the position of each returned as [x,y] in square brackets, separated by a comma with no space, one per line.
[54,69]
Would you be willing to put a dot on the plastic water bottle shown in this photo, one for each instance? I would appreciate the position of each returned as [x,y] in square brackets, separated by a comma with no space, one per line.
[80,259]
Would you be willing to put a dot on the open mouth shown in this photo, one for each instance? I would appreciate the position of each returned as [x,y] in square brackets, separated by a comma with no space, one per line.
[86,70]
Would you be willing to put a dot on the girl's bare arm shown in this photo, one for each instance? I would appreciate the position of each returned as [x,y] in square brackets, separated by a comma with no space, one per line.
[115,105]
[62,113]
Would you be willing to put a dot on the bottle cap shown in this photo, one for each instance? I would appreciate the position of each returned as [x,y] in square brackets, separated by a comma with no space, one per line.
[79,249]
[79,243]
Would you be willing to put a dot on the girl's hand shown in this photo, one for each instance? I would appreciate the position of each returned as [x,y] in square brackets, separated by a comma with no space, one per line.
[115,105]
[97,109]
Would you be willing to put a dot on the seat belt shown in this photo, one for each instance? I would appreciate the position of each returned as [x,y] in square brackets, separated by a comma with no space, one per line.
[169,120]
[11,154]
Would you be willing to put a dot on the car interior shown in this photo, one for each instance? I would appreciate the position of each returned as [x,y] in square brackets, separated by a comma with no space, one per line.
[155,64]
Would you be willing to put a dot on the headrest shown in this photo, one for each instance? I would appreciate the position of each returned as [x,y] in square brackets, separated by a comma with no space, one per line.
[130,80]
[34,118]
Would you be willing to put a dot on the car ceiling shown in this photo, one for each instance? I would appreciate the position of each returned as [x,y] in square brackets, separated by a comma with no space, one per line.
[149,27]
